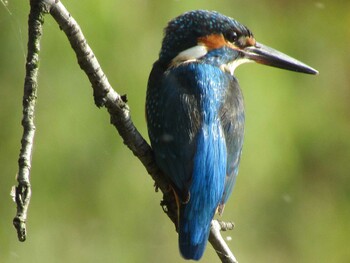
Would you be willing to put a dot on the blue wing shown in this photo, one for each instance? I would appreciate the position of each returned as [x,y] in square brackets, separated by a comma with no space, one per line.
[173,119]
[188,112]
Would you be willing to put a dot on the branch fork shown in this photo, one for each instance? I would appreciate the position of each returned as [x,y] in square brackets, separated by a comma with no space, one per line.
[104,96]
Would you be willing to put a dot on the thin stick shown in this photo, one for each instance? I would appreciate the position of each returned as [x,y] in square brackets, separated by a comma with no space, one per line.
[218,243]
[23,190]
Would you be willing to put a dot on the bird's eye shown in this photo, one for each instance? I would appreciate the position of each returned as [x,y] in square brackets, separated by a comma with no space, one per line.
[231,36]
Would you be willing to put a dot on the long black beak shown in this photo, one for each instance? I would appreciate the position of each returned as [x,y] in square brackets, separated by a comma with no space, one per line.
[268,56]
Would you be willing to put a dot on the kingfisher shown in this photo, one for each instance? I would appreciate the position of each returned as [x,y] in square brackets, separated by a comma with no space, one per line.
[195,114]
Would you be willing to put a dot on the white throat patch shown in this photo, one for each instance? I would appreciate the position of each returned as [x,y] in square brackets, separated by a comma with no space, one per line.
[190,54]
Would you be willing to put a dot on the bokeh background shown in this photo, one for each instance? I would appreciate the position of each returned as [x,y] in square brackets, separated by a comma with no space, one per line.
[92,199]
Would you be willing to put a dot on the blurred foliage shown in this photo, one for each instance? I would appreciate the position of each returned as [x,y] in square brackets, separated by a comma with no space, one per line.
[92,199]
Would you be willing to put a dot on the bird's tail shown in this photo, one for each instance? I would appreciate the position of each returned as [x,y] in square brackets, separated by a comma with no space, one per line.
[207,187]
[193,231]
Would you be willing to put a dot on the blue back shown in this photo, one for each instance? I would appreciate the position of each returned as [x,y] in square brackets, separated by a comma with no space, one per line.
[195,122]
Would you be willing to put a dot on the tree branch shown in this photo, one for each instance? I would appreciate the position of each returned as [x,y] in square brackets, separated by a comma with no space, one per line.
[104,96]
[23,190]
[218,243]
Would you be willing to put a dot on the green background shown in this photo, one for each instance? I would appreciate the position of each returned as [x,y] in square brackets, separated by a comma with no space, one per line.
[92,199]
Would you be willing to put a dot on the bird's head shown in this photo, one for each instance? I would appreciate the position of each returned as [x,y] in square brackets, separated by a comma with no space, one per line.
[214,38]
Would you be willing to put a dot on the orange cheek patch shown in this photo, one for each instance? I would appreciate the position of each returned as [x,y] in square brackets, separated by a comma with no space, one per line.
[214,41]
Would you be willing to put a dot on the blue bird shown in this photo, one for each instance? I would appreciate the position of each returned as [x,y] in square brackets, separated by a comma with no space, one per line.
[195,114]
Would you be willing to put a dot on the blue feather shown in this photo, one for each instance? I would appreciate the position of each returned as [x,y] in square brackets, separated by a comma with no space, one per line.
[195,118]
[209,169]
[206,190]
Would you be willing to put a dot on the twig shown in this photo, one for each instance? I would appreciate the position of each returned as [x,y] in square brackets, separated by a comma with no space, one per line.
[218,243]
[23,190]
[104,95]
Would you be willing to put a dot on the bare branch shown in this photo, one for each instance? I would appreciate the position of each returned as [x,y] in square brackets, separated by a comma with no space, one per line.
[104,95]
[218,243]
[23,190]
